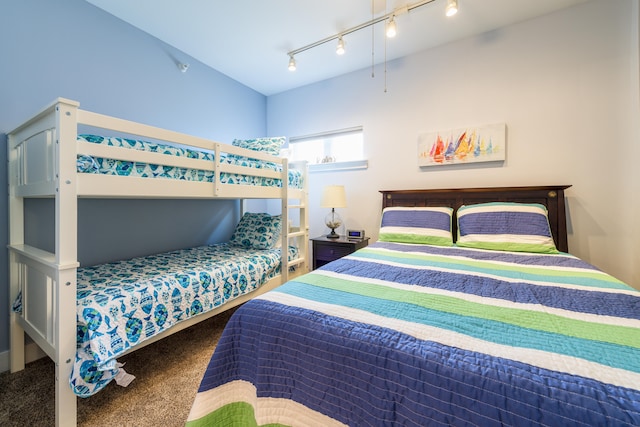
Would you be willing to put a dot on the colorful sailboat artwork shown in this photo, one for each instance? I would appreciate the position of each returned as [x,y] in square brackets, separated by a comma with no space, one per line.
[465,145]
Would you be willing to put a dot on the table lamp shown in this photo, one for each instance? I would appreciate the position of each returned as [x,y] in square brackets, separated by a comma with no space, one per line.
[333,196]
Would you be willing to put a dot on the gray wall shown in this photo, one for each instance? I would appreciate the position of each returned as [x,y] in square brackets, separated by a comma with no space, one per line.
[71,49]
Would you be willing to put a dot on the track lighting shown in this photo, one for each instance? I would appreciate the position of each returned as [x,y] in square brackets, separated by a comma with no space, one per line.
[340,47]
[391,27]
[452,7]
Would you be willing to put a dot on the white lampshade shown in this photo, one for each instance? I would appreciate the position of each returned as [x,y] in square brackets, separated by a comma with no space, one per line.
[333,196]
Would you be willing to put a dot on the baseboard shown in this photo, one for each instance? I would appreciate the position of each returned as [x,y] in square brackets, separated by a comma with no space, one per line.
[31,353]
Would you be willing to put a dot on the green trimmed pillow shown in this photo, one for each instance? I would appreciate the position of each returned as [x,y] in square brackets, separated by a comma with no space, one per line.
[517,227]
[421,225]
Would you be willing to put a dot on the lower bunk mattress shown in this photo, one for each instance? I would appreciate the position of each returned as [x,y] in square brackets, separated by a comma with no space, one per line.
[416,335]
[121,304]
[108,166]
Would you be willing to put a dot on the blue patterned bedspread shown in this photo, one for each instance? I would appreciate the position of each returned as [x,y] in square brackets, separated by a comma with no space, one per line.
[418,335]
[121,304]
[99,165]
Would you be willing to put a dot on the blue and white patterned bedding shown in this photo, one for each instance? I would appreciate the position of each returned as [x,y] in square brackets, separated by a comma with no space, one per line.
[98,165]
[417,335]
[124,303]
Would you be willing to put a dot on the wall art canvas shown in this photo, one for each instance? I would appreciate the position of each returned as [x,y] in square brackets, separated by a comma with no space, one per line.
[486,143]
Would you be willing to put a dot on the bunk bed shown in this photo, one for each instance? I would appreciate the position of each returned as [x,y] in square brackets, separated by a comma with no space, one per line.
[467,311]
[66,153]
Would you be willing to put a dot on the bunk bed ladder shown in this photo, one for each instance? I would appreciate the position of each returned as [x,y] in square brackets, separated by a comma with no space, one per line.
[300,234]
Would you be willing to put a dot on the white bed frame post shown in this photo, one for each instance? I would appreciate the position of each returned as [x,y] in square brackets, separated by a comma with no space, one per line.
[303,232]
[284,234]
[42,156]
[304,219]
[285,221]
[16,237]
[66,255]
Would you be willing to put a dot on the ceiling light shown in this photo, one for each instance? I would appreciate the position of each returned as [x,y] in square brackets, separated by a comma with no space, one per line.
[391,27]
[340,47]
[452,7]
[389,18]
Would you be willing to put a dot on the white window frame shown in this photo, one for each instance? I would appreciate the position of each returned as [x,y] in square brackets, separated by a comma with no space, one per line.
[333,166]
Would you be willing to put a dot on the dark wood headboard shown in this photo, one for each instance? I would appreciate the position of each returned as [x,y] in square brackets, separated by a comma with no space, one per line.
[550,196]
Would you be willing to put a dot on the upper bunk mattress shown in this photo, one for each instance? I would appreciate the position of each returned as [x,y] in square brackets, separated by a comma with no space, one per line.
[107,166]
[124,303]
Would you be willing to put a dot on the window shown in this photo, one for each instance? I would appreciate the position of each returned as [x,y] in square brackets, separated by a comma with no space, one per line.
[334,150]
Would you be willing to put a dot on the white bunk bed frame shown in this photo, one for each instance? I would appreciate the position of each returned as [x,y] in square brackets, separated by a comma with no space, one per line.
[42,156]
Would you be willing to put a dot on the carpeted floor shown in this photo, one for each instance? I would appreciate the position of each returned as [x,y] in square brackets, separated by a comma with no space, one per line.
[167,373]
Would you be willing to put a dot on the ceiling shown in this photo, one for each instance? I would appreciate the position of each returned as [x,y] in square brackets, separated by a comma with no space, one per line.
[248,40]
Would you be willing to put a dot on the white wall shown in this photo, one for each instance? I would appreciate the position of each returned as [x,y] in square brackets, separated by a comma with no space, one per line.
[566,85]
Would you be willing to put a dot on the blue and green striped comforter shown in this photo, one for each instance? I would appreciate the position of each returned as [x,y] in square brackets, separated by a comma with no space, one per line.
[418,335]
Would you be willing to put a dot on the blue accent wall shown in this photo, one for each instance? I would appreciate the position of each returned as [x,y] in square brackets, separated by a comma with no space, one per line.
[74,50]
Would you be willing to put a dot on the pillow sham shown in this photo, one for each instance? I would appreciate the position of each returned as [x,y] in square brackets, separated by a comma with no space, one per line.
[257,231]
[270,145]
[422,225]
[505,226]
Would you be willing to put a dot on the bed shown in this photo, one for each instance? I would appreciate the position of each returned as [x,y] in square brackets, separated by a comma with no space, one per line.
[493,324]
[67,153]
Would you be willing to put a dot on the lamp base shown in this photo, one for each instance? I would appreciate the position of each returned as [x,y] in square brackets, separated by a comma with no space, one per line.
[333,221]
[332,235]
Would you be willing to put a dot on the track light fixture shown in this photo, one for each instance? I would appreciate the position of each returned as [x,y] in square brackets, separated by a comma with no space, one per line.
[340,47]
[391,27]
[452,9]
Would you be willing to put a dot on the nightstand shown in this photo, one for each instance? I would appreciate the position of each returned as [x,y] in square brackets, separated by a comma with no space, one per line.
[326,250]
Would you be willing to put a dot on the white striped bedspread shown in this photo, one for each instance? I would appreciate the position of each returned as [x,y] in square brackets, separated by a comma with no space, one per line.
[418,335]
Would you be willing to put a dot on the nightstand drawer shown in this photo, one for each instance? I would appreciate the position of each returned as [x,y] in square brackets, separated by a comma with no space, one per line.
[331,252]
[327,249]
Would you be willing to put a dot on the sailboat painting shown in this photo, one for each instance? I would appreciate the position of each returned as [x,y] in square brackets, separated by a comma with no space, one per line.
[485,143]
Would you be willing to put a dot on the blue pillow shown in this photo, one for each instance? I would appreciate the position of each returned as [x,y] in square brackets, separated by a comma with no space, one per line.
[517,227]
[257,231]
[421,225]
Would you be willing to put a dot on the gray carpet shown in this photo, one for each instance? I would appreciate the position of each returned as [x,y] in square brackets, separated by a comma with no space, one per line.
[167,372]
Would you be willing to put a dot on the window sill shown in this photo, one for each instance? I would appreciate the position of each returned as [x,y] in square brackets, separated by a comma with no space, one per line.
[339,166]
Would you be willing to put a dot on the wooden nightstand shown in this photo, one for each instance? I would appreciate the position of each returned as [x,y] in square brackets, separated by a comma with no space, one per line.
[326,250]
